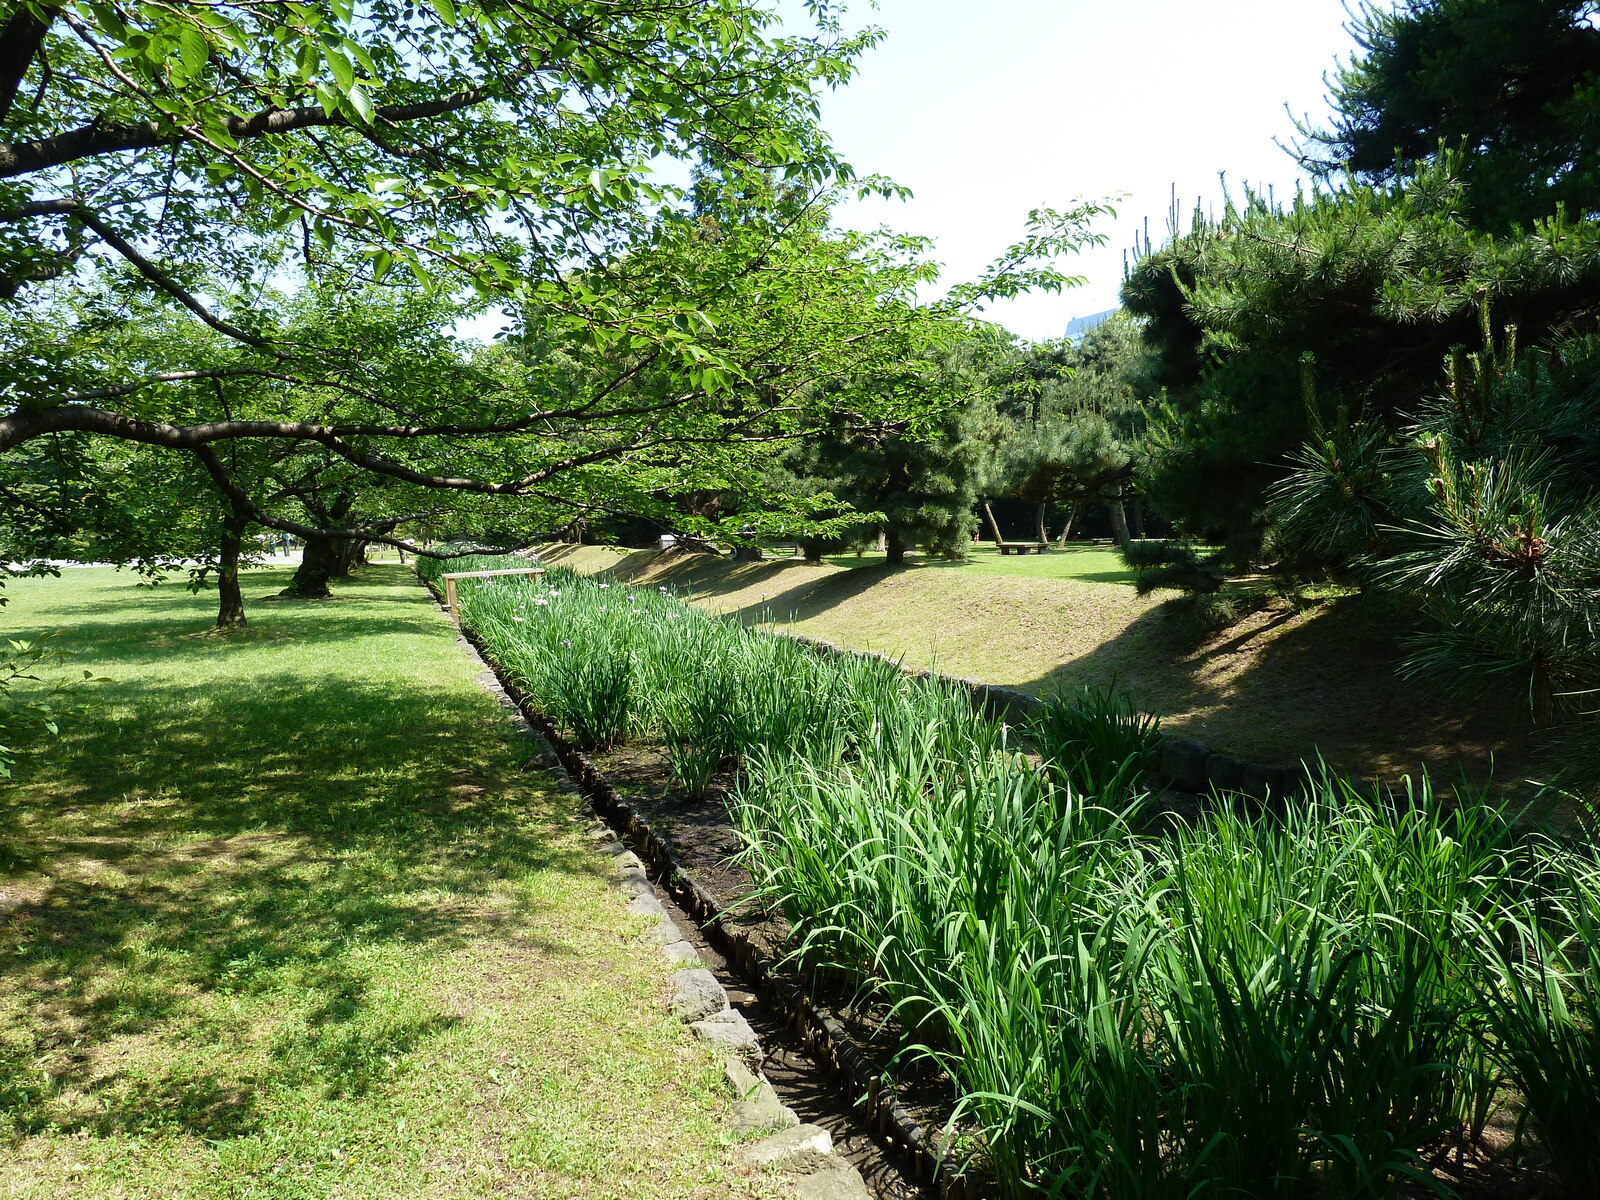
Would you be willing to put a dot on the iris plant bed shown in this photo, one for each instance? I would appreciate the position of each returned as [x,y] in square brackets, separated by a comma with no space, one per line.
[1362,997]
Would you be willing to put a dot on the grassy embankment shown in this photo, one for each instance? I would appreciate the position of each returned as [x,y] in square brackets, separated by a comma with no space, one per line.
[284,918]
[1277,686]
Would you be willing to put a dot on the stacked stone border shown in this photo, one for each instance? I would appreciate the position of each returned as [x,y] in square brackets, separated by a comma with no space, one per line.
[698,1000]
[803,1151]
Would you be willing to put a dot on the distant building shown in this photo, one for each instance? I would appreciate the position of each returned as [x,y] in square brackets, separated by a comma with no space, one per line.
[1079,326]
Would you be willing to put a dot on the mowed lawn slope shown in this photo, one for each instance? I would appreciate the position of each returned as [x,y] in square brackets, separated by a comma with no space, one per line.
[286,918]
[1276,687]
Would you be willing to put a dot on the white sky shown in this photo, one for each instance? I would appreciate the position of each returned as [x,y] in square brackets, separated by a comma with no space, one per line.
[988,110]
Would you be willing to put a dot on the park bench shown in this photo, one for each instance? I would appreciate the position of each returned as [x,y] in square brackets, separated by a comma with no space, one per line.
[1023,547]
[450,582]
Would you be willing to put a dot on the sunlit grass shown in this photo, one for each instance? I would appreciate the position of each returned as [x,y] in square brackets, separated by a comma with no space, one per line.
[285,918]
[1083,561]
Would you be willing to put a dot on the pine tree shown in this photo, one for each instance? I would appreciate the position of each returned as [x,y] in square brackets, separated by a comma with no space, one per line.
[1372,286]
[920,487]
[1058,430]
[1513,85]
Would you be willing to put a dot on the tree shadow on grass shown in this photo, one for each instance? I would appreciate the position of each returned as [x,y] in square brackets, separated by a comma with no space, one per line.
[813,597]
[236,857]
[1056,563]
[133,643]
[797,590]
[810,597]
[170,605]
[705,575]
[126,626]
[709,579]
[625,568]
[1282,687]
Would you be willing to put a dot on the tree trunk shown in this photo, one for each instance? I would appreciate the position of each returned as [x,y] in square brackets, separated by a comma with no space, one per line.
[323,559]
[349,554]
[1138,518]
[230,600]
[894,547]
[812,551]
[1072,515]
[1040,533]
[994,526]
[319,562]
[1119,521]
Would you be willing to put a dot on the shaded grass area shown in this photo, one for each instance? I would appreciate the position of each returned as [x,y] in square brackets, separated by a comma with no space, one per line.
[285,918]
[1278,686]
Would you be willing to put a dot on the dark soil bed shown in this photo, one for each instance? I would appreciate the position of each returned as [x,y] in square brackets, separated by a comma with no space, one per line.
[705,842]
[700,832]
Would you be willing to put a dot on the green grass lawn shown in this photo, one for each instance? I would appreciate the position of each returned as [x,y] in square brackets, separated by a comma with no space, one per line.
[284,917]
[1079,560]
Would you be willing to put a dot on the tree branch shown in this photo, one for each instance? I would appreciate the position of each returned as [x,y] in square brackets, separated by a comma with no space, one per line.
[112,391]
[241,501]
[585,411]
[41,511]
[26,424]
[20,39]
[123,389]
[37,208]
[164,281]
[97,138]
[73,416]
[39,272]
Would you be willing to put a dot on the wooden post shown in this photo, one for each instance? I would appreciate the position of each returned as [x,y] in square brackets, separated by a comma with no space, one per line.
[450,583]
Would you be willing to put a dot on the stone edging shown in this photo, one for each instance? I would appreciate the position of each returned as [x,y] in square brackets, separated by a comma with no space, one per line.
[799,1150]
[825,1039]
[698,1000]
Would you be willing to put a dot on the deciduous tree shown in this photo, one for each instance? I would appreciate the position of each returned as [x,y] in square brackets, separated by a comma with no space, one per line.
[214,159]
[183,151]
